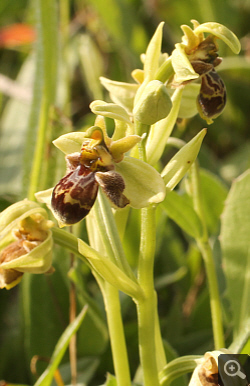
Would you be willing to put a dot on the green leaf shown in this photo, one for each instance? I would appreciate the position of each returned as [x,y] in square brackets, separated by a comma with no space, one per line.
[178,208]
[13,133]
[241,339]
[213,191]
[46,378]
[235,231]
[111,381]
[44,94]
[170,278]
[94,335]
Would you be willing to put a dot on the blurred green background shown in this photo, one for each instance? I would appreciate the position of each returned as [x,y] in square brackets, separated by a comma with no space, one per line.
[106,38]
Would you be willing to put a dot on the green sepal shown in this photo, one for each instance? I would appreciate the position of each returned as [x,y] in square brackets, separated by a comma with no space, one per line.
[110,110]
[182,67]
[71,142]
[221,32]
[120,92]
[143,184]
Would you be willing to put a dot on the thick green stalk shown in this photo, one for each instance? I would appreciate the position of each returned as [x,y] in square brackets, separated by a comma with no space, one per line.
[206,251]
[148,322]
[146,307]
[116,332]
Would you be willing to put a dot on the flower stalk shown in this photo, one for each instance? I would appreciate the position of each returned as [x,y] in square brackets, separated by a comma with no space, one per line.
[146,308]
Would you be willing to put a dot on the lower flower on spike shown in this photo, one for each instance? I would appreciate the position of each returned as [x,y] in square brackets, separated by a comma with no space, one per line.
[25,242]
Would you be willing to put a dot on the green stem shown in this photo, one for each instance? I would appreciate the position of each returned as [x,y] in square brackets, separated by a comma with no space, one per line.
[206,251]
[116,332]
[146,307]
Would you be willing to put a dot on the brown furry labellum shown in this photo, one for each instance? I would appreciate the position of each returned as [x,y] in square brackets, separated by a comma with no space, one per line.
[75,194]
[212,98]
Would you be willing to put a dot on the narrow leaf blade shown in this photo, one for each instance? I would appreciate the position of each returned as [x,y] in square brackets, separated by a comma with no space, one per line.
[46,378]
[236,249]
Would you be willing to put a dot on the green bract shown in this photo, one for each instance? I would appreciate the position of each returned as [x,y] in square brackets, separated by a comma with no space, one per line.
[25,242]
[182,161]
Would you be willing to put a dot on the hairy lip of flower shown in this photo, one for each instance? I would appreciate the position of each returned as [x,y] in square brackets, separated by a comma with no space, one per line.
[75,194]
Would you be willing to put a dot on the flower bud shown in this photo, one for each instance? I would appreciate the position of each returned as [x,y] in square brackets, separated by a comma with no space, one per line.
[154,104]
[25,242]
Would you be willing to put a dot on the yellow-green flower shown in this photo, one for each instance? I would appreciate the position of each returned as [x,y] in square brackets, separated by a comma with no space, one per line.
[94,160]
[197,57]
[25,242]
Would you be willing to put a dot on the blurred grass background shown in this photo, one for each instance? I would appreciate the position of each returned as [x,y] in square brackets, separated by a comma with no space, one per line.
[106,38]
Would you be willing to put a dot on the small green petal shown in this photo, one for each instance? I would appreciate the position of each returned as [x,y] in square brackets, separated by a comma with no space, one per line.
[190,39]
[121,146]
[183,69]
[222,33]
[178,166]
[120,92]
[110,110]
[143,184]
[138,75]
